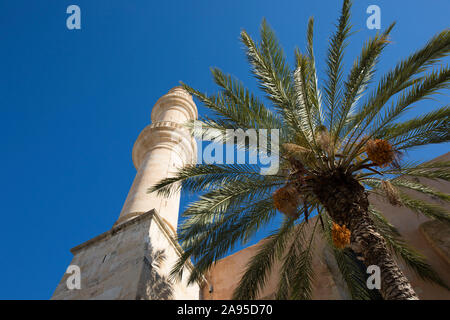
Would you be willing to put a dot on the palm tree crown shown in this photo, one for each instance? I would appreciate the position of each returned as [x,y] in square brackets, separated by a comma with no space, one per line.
[336,148]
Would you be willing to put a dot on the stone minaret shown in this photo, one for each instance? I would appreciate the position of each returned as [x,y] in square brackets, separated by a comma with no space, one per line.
[160,149]
[122,262]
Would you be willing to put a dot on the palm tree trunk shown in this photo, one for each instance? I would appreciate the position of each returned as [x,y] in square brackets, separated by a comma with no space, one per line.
[347,203]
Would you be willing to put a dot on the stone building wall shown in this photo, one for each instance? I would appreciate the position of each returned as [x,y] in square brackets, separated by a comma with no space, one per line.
[119,264]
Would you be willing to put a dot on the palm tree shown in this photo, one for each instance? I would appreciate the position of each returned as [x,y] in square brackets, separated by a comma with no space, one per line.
[335,151]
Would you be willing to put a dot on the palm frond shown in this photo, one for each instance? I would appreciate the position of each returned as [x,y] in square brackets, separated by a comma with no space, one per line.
[416,186]
[204,177]
[427,209]
[443,174]
[334,61]
[431,84]
[360,75]
[214,238]
[231,118]
[418,128]
[271,70]
[416,205]
[303,106]
[433,170]
[219,201]
[396,80]
[304,272]
[315,95]
[413,259]
[241,101]
[288,269]
[425,121]
[440,134]
[259,266]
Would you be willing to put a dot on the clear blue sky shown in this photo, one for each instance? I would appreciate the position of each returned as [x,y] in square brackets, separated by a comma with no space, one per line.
[73,102]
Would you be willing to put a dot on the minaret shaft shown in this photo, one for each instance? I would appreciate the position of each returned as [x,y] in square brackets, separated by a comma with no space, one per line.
[118,264]
[162,147]
[157,165]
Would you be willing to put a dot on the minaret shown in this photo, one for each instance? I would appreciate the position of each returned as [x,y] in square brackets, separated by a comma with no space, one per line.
[161,148]
[122,262]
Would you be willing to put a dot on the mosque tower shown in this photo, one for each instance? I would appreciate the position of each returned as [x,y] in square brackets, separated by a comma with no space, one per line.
[122,263]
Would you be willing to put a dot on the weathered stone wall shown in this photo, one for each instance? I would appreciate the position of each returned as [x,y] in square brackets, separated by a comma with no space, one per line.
[119,264]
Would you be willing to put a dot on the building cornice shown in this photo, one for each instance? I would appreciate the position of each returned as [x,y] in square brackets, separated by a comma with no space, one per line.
[135,219]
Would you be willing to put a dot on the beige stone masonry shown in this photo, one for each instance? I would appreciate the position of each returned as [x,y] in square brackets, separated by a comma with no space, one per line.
[162,147]
[117,264]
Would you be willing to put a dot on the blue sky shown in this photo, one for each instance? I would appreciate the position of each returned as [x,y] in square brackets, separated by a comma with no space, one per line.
[74,101]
